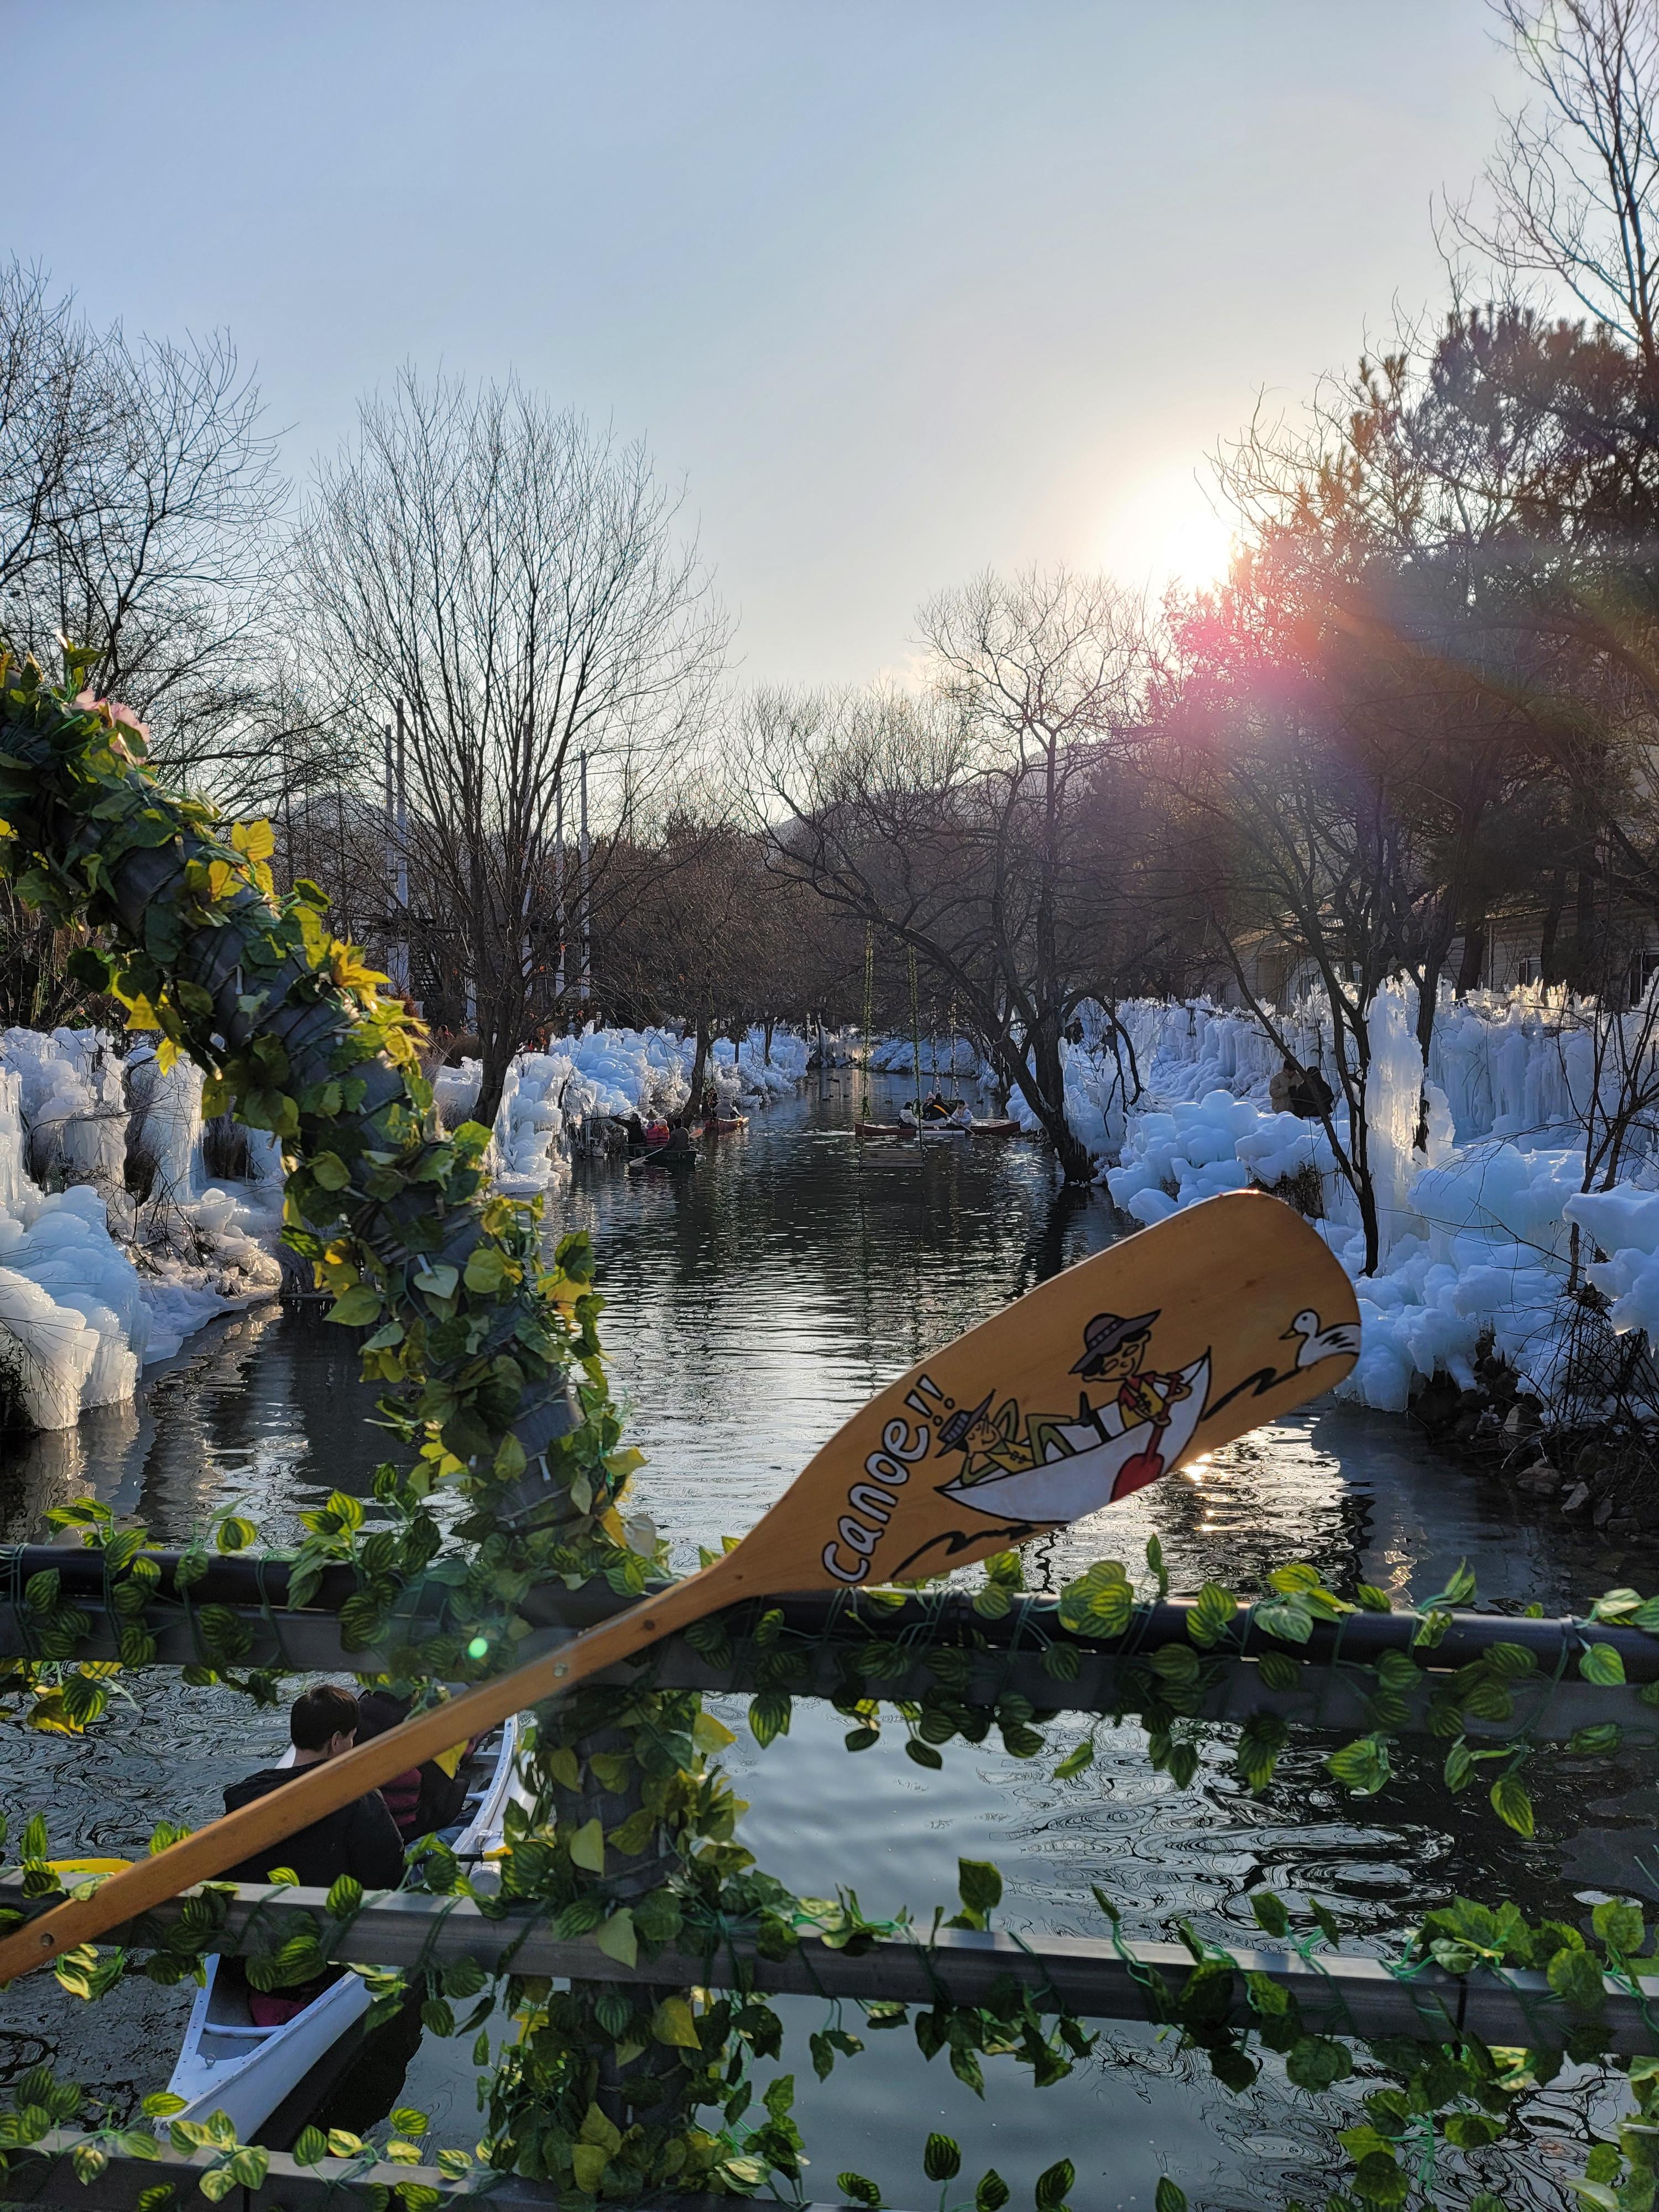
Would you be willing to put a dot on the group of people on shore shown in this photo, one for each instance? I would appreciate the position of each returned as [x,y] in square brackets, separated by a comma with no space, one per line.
[1300,1090]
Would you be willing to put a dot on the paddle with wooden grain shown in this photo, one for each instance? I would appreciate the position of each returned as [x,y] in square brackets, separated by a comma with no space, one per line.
[1163,1347]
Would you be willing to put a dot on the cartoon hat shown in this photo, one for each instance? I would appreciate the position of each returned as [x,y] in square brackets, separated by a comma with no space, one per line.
[1105,1334]
[953,1432]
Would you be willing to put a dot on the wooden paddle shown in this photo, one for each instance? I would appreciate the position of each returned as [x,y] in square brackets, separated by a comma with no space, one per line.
[1164,1346]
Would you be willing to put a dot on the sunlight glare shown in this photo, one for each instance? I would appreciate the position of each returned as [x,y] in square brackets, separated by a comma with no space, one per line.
[1165,531]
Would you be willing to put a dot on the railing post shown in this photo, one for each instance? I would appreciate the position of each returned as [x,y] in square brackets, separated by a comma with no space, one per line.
[638,2082]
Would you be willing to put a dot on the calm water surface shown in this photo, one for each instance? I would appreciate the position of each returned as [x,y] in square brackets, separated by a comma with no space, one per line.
[752,1307]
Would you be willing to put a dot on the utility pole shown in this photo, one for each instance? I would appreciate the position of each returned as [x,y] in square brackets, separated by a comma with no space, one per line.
[558,886]
[397,830]
[586,906]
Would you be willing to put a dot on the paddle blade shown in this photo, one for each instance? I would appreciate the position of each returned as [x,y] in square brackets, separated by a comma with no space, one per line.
[1162,1347]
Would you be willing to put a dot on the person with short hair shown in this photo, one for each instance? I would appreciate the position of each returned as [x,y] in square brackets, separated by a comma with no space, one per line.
[360,1839]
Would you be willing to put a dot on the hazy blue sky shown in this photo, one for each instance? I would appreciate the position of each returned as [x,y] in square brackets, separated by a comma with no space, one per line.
[901,288]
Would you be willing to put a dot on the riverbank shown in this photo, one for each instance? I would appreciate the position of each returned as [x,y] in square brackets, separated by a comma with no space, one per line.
[1511,1312]
[128,1224]
[1478,1227]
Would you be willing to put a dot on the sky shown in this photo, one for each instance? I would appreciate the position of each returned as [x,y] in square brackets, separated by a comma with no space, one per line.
[897,289]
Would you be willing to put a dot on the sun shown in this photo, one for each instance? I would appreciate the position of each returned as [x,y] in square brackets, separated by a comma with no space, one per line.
[1165,531]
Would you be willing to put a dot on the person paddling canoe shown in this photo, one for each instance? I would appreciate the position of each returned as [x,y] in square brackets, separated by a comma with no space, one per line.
[361,1839]
[1113,1345]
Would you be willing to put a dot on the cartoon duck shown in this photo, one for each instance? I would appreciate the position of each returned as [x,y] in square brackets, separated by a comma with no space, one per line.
[1339,1342]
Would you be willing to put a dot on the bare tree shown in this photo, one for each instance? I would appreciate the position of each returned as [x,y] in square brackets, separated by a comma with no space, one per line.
[48,410]
[697,943]
[1573,184]
[517,579]
[138,498]
[949,821]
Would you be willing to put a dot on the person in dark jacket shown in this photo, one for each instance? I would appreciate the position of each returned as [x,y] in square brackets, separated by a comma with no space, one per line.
[360,1839]
[422,1799]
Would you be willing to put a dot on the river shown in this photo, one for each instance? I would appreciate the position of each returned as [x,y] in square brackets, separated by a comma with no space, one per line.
[751,1307]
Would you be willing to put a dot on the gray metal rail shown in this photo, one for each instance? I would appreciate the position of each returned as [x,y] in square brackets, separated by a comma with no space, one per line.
[830,1631]
[1339,1994]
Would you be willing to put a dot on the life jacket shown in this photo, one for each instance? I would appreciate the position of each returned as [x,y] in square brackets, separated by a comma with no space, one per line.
[403,1800]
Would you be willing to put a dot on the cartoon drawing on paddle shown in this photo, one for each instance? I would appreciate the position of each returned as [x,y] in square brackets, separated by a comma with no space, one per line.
[1049,1469]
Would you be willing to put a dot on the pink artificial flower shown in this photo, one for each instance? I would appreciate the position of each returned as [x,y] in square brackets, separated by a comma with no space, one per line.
[118,718]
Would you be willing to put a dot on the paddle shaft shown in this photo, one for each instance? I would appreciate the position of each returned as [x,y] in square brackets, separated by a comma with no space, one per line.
[325,1787]
[1185,1327]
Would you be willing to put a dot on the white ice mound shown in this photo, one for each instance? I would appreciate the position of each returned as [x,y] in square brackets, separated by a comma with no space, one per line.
[75,1324]
[94,1287]
[1476,1227]
[553,1102]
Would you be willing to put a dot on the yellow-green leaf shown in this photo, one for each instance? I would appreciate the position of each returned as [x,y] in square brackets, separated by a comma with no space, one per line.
[487,1269]
[1511,1803]
[587,1847]
[601,2130]
[1601,1664]
[617,1940]
[588,2163]
[672,2023]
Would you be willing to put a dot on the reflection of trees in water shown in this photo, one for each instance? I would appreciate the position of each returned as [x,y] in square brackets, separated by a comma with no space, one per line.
[1045,1251]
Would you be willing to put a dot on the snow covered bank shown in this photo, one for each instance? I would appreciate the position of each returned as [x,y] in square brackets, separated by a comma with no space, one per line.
[943,1058]
[1476,1232]
[98,1281]
[554,1103]
[122,1230]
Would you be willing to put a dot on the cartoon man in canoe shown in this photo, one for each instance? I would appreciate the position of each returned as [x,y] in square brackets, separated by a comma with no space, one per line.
[1114,1346]
[992,1444]
[1002,1454]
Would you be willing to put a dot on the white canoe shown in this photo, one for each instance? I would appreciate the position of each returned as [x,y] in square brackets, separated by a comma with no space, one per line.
[1071,1482]
[227,2064]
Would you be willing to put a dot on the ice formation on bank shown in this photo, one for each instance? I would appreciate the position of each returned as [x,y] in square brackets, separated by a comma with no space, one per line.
[122,1231]
[556,1101]
[79,1319]
[943,1059]
[1476,1230]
